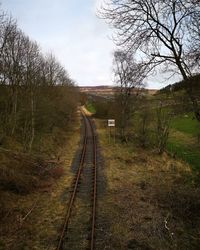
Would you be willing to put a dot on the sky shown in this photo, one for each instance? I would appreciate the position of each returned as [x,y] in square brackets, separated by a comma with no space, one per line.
[71,30]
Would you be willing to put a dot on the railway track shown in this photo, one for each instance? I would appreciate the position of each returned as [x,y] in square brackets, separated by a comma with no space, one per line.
[78,230]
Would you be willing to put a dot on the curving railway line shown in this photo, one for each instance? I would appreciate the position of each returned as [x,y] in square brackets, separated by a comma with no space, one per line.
[78,230]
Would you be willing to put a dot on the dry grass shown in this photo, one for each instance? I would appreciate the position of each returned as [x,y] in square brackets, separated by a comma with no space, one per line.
[182,137]
[32,213]
[150,201]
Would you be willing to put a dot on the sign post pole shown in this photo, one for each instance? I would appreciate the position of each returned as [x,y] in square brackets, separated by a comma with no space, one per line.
[114,135]
[109,134]
[111,123]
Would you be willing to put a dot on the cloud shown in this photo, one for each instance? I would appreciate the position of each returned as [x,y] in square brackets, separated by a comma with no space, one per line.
[72,31]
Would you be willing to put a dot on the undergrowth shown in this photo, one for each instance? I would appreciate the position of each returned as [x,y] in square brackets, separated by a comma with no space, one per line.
[187,153]
[151,200]
[30,189]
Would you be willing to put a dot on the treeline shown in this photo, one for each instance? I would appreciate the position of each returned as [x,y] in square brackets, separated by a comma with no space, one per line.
[37,96]
[152,37]
[193,81]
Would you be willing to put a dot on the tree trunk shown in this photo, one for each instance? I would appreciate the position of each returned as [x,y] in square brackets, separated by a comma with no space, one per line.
[14,112]
[32,122]
[192,97]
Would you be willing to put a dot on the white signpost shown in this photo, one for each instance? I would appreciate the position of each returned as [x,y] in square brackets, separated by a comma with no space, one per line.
[111,123]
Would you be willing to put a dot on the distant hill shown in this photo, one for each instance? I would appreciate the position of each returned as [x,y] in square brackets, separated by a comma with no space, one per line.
[107,90]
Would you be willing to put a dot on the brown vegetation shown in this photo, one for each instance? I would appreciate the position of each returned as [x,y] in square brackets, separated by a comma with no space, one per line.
[38,105]
[107,91]
[33,194]
[150,201]
[159,34]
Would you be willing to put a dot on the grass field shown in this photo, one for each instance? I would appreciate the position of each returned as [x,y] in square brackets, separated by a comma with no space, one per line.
[187,153]
[183,137]
[183,140]
[149,202]
[186,124]
[184,129]
[90,107]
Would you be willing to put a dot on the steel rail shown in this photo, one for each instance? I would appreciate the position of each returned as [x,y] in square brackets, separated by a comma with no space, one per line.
[92,240]
[72,198]
[77,178]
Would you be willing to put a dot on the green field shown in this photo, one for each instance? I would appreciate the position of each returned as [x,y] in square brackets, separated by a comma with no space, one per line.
[186,124]
[90,107]
[189,154]
[185,144]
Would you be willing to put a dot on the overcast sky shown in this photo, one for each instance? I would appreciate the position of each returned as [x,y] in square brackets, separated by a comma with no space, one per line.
[71,30]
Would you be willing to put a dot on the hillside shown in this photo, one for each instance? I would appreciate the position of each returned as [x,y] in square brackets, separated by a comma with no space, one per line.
[193,81]
[106,90]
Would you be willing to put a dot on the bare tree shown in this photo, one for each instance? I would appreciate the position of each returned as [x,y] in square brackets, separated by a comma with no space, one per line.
[162,127]
[6,27]
[159,31]
[129,78]
[144,116]
[194,47]
[31,81]
[11,58]
[36,92]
